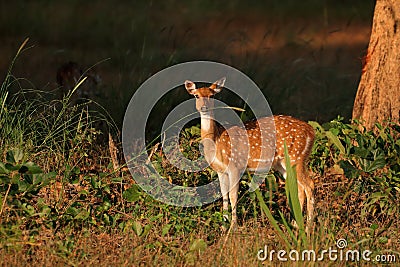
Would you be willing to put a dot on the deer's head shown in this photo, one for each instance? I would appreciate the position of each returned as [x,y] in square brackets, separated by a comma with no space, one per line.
[204,95]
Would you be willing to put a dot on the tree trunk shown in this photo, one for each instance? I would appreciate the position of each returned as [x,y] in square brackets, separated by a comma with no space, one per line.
[378,95]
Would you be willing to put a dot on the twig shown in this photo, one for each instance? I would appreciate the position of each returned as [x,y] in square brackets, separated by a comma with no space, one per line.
[113,153]
[153,150]
[4,200]
[332,183]
[226,239]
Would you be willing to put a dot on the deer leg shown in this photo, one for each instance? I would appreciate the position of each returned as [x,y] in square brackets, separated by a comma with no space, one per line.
[301,194]
[309,190]
[306,191]
[224,184]
[234,179]
[281,167]
[301,188]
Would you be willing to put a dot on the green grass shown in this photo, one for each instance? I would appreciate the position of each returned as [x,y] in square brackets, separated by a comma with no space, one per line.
[62,202]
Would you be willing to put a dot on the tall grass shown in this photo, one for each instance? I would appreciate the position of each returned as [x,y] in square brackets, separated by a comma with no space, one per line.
[37,125]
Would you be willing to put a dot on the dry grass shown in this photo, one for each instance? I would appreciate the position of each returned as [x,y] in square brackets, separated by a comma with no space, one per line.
[335,219]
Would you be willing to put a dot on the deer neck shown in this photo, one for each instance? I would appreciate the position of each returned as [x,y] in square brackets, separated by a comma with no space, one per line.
[209,135]
[208,126]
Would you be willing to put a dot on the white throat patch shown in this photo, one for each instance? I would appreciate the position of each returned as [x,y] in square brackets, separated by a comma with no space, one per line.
[206,121]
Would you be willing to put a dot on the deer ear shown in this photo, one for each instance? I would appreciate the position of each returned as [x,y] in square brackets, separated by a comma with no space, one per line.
[218,85]
[190,86]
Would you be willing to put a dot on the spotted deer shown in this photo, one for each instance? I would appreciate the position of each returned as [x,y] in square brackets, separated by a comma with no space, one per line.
[255,147]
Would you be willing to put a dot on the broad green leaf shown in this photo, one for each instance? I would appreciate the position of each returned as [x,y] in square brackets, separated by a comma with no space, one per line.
[316,125]
[45,211]
[4,179]
[349,170]
[82,215]
[361,152]
[106,218]
[372,165]
[50,175]
[190,258]
[132,194]
[12,167]
[374,226]
[194,130]
[117,179]
[106,189]
[165,229]
[14,156]
[157,217]
[72,211]
[28,178]
[198,245]
[335,140]
[3,169]
[137,227]
[32,167]
[146,229]
[335,131]
[28,209]
[23,169]
[383,240]
[83,192]
[106,204]
[94,182]
[22,185]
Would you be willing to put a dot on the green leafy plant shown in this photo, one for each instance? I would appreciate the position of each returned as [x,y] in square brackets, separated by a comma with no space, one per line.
[22,179]
[370,159]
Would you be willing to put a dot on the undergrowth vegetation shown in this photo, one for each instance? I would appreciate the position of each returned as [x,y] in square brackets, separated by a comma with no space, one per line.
[63,202]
